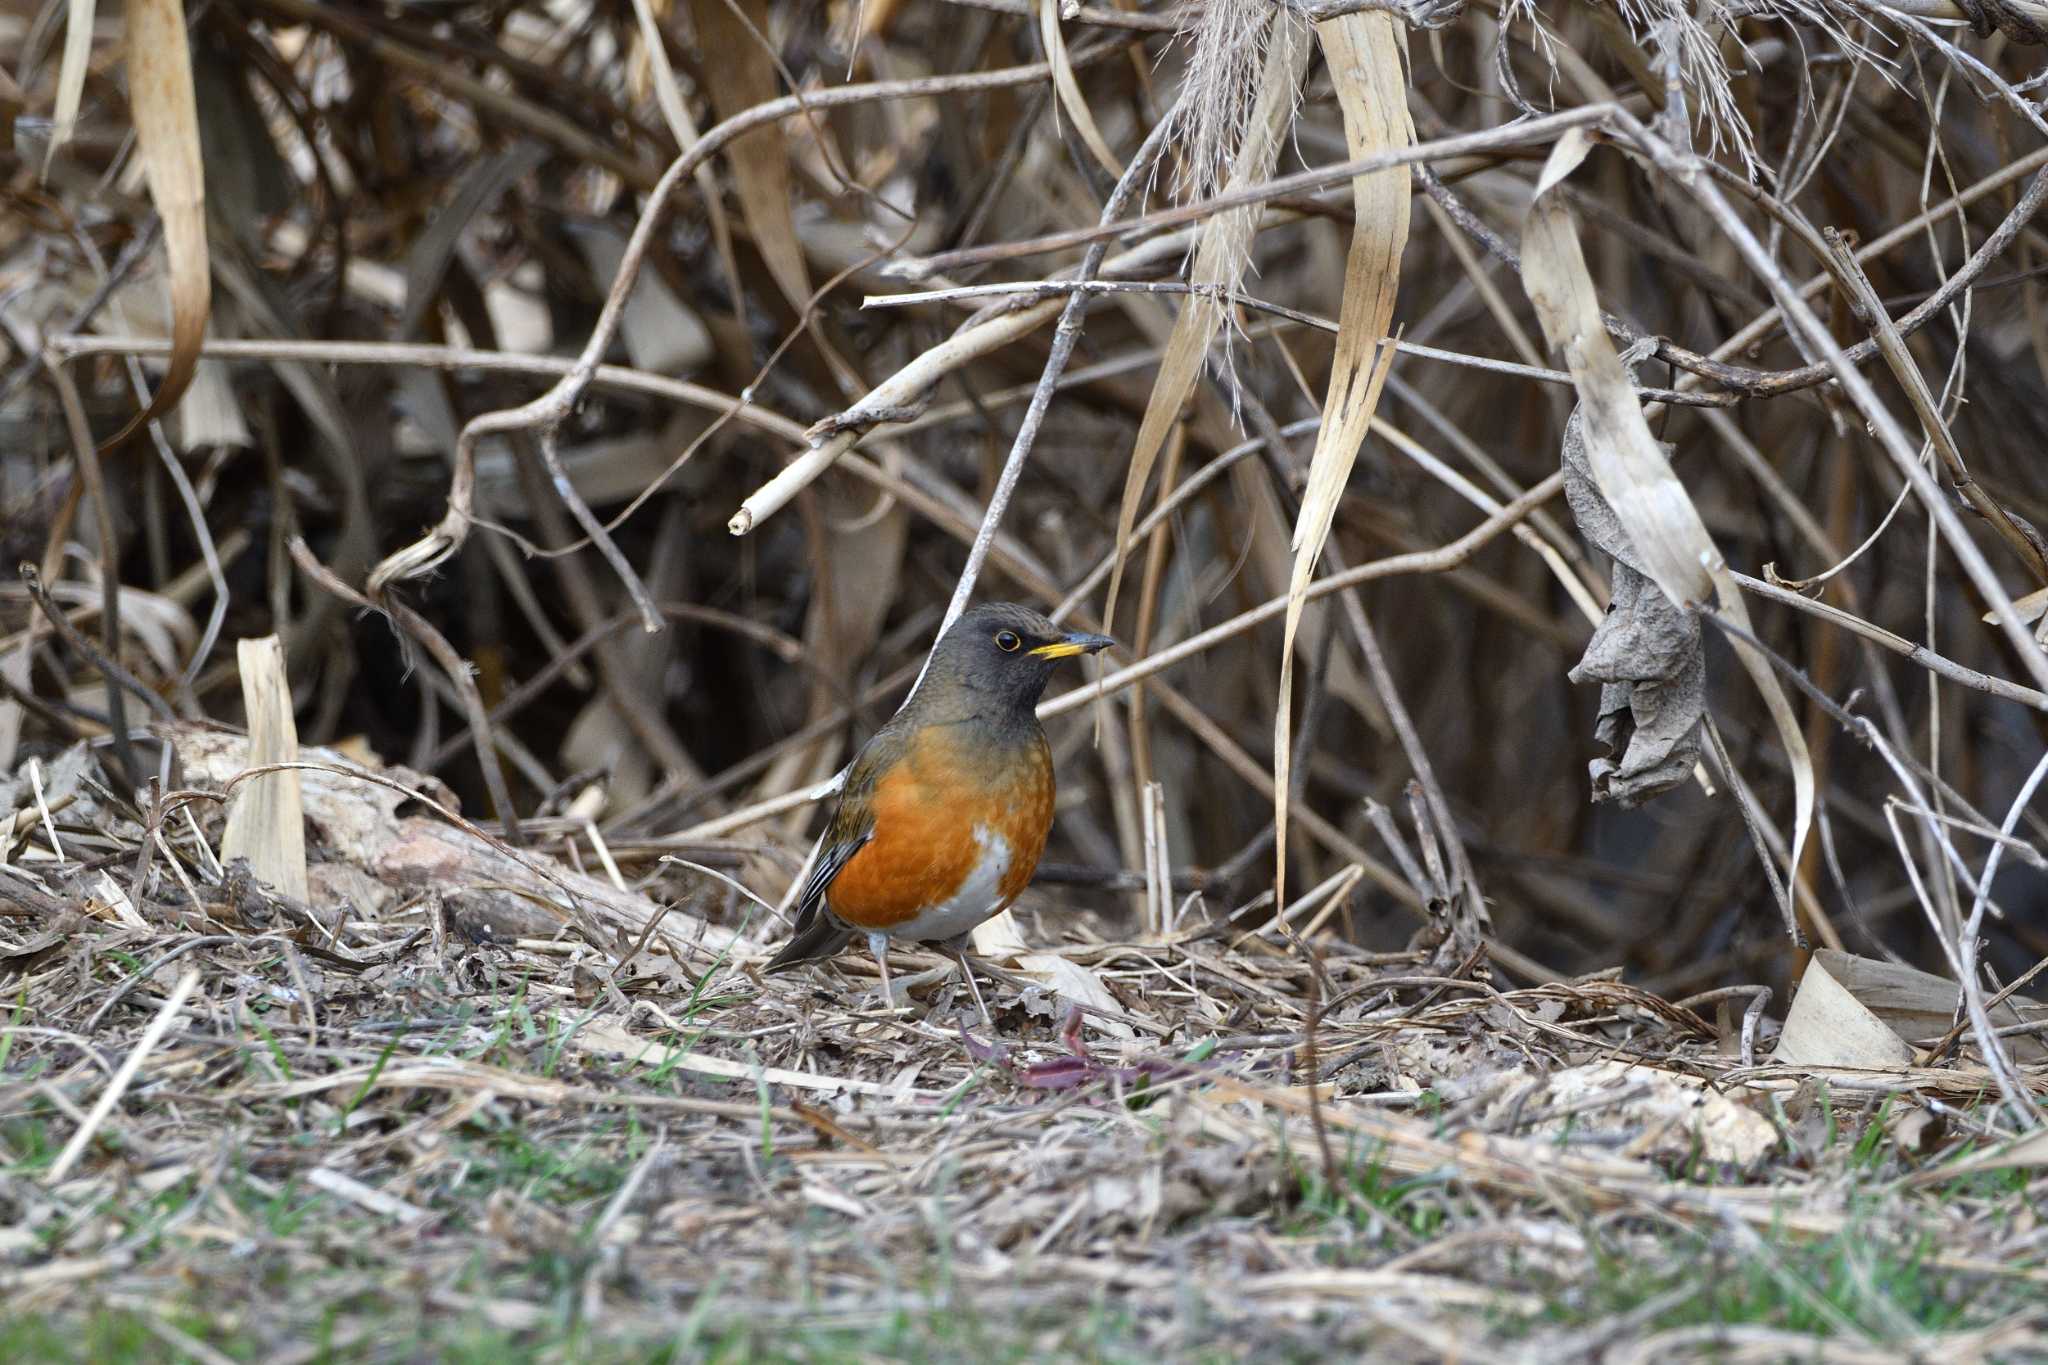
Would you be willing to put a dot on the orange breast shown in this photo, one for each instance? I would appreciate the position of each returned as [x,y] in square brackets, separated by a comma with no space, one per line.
[928,809]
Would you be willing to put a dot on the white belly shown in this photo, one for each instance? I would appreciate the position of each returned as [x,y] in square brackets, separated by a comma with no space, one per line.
[979,897]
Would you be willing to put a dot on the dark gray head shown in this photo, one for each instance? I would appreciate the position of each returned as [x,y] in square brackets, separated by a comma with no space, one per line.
[997,659]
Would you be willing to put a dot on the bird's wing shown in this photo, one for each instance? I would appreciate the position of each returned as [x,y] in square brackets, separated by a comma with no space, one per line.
[818,933]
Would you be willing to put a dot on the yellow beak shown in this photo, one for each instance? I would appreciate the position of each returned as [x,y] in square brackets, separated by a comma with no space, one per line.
[1068,646]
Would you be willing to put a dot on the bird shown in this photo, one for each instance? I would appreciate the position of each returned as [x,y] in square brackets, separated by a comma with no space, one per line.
[945,810]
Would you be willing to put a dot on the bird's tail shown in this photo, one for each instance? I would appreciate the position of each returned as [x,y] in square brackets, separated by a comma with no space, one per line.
[822,937]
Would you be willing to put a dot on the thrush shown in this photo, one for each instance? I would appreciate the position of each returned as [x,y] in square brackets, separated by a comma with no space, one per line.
[945,811]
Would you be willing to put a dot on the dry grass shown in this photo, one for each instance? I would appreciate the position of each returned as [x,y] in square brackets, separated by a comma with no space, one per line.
[410,1133]
[604,402]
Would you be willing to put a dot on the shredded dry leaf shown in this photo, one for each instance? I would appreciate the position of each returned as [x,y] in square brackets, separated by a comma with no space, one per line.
[1630,467]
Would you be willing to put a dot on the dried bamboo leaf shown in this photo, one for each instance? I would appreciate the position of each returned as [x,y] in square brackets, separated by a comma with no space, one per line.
[1917,1004]
[1670,541]
[167,131]
[1366,54]
[1068,88]
[741,74]
[1221,252]
[2030,608]
[1829,1026]
[70,77]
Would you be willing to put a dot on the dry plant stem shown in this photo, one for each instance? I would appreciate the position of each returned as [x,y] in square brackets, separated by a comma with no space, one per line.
[451,663]
[1893,347]
[1528,132]
[1167,506]
[904,392]
[177,800]
[550,127]
[30,902]
[1148,618]
[1007,554]
[114,671]
[166,457]
[1025,289]
[94,479]
[202,535]
[1768,849]
[1065,334]
[587,608]
[1907,231]
[552,408]
[562,659]
[1444,557]
[683,129]
[1083,14]
[1814,335]
[1754,383]
[1897,644]
[547,440]
[2011,1086]
[1256,776]
[447,358]
[1962,958]
[1470,923]
[1994,246]
[121,1080]
[696,794]
[1973,927]
[900,391]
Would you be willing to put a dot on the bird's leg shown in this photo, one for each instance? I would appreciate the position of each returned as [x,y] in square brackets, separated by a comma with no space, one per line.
[878,944]
[956,948]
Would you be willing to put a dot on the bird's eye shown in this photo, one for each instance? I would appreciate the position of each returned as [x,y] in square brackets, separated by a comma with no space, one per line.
[1007,641]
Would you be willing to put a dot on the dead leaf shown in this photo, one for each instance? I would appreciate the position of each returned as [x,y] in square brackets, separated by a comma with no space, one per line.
[1068,88]
[1645,653]
[1919,1005]
[1827,1026]
[2030,608]
[1365,55]
[77,58]
[1650,1113]
[1917,1131]
[1079,984]
[166,116]
[1670,541]
[740,72]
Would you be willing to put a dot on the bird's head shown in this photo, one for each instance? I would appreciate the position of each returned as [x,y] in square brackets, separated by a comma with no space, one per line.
[1004,652]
